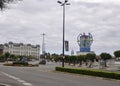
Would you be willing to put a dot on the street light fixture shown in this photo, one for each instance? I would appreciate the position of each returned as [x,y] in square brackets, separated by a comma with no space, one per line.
[63,4]
[66,1]
[59,2]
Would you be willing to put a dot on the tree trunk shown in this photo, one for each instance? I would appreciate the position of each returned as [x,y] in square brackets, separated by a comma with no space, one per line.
[105,63]
[69,63]
[90,64]
[86,63]
[74,63]
[80,64]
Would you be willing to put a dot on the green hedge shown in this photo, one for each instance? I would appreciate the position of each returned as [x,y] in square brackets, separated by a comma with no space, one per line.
[98,73]
[20,63]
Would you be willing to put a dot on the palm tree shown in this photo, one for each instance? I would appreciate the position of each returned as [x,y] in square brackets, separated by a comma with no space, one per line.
[105,57]
[4,2]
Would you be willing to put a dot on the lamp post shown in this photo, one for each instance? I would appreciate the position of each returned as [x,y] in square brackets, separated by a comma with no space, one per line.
[63,4]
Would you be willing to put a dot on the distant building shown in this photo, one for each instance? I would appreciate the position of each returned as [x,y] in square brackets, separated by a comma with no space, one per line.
[20,49]
[1,49]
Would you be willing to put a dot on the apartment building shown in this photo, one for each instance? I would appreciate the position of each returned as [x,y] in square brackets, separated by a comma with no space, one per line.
[21,49]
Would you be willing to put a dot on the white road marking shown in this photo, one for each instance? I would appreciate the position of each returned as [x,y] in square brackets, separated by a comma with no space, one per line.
[17,79]
[28,84]
[1,84]
[22,81]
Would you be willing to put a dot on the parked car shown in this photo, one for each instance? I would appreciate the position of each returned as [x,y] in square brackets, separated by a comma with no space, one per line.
[24,59]
[43,62]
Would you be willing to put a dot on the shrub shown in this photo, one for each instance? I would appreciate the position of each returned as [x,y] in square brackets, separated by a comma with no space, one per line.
[98,73]
[19,63]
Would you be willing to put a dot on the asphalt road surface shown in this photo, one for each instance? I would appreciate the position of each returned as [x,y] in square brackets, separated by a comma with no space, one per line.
[45,76]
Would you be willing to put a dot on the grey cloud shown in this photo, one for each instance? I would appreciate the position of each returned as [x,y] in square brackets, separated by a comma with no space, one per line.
[26,20]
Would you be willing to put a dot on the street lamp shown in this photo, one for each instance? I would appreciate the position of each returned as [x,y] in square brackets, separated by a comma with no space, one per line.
[63,4]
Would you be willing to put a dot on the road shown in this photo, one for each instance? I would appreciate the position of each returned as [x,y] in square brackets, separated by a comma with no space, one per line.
[45,76]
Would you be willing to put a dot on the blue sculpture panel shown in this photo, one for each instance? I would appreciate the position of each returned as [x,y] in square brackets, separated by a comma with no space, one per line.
[84,41]
[87,49]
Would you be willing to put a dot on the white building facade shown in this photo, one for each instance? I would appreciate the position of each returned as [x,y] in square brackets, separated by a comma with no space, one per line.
[22,49]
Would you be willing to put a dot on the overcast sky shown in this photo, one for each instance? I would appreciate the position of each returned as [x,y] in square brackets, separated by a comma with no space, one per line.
[28,19]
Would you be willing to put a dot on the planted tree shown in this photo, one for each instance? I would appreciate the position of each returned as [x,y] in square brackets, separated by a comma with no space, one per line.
[56,57]
[80,59]
[74,59]
[91,58]
[48,56]
[12,57]
[2,58]
[105,57]
[69,59]
[117,53]
[7,55]
[85,59]
[4,2]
